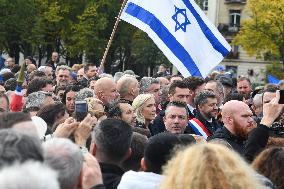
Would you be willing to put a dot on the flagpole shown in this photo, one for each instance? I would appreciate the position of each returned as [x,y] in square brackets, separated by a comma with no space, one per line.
[112,35]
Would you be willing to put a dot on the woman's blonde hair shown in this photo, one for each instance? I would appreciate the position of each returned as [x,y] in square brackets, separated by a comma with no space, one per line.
[208,166]
[138,105]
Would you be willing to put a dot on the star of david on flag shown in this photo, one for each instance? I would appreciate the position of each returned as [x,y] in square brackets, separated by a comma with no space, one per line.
[181,31]
[178,24]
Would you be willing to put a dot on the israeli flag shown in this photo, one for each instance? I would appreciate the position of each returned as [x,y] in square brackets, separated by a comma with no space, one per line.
[182,31]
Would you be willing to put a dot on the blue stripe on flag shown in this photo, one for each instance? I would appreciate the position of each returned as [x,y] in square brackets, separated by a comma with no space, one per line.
[194,129]
[207,32]
[163,33]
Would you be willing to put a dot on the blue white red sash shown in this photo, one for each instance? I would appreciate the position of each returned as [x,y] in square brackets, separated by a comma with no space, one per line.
[199,128]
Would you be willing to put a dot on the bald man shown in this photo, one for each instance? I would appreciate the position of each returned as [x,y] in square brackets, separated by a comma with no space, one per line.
[128,88]
[105,90]
[240,130]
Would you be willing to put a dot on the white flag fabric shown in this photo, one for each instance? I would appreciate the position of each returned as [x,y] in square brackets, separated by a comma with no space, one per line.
[182,31]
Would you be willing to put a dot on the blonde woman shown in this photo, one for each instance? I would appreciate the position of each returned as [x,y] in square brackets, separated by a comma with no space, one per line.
[144,107]
[209,166]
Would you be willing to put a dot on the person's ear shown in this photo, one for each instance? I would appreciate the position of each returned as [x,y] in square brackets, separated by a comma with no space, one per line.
[101,94]
[191,92]
[170,97]
[128,154]
[230,120]
[253,108]
[132,91]
[93,149]
[143,164]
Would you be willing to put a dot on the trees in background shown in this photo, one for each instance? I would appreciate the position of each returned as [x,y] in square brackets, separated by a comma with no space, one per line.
[263,32]
[73,28]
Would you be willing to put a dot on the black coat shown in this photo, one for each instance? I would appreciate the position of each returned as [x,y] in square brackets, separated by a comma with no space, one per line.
[212,127]
[158,125]
[248,148]
[152,128]
[111,175]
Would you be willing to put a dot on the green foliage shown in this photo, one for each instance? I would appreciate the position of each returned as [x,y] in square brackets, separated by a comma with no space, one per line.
[263,32]
[275,69]
[74,28]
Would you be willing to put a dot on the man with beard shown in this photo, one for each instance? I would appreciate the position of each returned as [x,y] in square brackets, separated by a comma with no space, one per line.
[122,110]
[205,123]
[105,90]
[240,130]
[244,87]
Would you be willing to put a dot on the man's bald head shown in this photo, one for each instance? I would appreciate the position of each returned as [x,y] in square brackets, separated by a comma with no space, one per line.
[102,83]
[237,118]
[105,90]
[127,87]
[232,107]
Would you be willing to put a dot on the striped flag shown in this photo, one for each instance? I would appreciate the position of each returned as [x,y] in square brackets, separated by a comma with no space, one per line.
[182,31]
[199,128]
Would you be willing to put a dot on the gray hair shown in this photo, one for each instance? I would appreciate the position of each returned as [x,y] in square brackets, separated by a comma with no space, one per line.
[146,82]
[65,157]
[201,98]
[32,175]
[257,100]
[62,67]
[164,93]
[105,75]
[35,100]
[125,83]
[84,93]
[17,147]
[117,76]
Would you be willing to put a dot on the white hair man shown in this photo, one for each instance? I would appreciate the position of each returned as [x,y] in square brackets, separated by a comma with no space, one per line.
[32,175]
[128,88]
[67,159]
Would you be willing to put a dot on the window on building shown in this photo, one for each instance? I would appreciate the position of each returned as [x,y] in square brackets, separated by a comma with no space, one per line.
[205,5]
[235,18]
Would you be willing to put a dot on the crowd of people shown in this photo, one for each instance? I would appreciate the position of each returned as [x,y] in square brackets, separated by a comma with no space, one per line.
[164,131]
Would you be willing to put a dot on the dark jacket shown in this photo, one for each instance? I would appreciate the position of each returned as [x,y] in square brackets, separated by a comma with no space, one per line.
[52,64]
[159,126]
[84,82]
[211,127]
[152,128]
[248,148]
[100,186]
[158,123]
[111,175]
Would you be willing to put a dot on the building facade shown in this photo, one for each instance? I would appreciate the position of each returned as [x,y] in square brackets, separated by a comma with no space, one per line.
[227,15]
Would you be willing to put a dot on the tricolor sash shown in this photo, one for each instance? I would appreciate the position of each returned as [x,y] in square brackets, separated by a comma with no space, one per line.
[199,128]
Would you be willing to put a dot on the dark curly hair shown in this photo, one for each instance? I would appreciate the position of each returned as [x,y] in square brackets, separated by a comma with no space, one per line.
[49,113]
